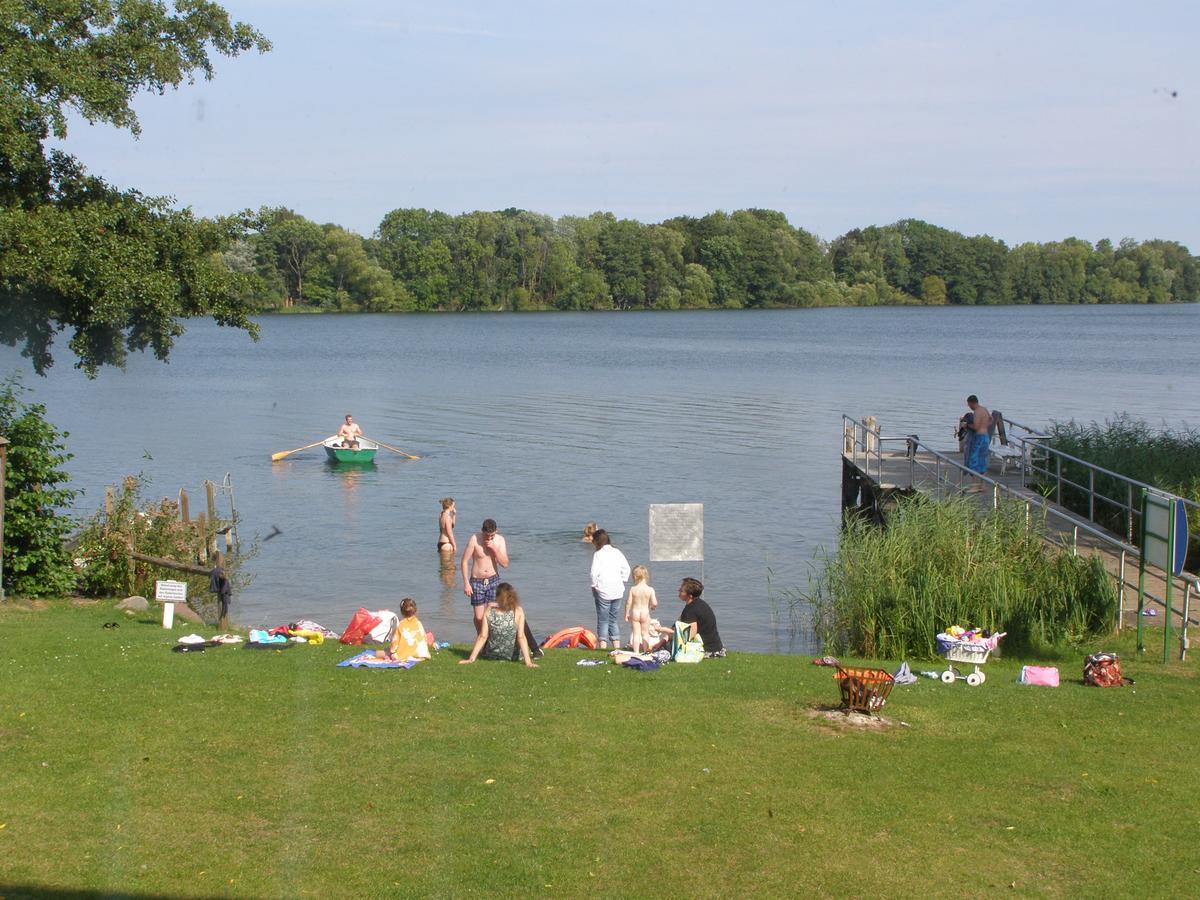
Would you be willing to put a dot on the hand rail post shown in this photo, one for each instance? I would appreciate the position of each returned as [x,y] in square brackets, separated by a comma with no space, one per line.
[1058,477]
[1121,593]
[1091,495]
[1129,512]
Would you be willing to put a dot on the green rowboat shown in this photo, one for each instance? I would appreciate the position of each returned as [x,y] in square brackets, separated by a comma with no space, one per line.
[339,454]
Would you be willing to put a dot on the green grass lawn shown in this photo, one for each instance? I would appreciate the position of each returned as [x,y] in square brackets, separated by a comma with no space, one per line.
[130,769]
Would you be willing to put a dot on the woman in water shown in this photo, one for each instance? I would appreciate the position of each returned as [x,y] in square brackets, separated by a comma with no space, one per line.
[446,542]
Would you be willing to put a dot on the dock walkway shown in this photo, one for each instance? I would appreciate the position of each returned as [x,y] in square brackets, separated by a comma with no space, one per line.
[875,470]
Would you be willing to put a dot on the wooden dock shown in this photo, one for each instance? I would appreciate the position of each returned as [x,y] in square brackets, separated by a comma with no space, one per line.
[876,471]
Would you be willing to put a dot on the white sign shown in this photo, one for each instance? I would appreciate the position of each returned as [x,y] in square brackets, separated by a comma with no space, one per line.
[170,591]
[1157,524]
[676,531]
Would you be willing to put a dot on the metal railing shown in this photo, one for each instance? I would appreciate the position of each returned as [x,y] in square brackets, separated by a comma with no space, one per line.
[948,475]
[1040,458]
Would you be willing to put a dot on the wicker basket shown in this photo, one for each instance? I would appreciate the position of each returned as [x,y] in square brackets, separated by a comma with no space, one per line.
[864,690]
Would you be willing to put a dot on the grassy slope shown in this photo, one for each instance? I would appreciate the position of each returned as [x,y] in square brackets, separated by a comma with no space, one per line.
[129,768]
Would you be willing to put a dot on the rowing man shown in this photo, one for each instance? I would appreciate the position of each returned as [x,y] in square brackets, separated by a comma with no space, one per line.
[485,555]
[349,432]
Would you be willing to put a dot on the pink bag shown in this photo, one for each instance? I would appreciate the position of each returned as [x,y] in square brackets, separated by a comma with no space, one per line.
[1046,676]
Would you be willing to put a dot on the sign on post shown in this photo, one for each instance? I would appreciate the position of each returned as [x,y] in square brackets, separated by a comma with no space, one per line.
[676,532]
[1164,544]
[168,593]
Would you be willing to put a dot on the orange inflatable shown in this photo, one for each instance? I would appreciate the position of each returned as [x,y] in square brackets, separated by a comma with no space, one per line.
[571,639]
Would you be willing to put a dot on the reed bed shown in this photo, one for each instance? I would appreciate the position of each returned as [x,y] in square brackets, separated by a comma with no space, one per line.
[886,592]
[1164,457]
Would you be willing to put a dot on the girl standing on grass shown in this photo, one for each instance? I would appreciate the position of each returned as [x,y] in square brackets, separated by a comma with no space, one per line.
[637,609]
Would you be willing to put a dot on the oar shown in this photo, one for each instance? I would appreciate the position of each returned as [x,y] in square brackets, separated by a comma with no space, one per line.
[389,447]
[276,457]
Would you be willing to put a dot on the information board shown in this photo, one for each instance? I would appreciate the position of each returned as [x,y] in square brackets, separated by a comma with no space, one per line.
[1157,523]
[676,532]
[170,591]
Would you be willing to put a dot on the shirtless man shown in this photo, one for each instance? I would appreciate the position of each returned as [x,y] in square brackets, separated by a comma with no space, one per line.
[349,432]
[977,449]
[485,555]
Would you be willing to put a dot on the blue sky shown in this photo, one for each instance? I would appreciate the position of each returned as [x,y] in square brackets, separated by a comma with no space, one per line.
[1024,120]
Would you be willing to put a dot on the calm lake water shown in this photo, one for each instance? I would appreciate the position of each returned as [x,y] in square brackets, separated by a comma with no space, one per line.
[545,421]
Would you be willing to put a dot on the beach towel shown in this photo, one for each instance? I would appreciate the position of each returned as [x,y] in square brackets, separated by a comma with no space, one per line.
[977,452]
[684,650]
[904,675]
[368,660]
[642,665]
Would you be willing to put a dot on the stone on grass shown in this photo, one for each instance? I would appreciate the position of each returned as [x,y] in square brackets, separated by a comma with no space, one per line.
[134,604]
[187,614]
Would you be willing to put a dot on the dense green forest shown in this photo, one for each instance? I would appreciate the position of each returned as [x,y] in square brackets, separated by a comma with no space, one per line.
[753,258]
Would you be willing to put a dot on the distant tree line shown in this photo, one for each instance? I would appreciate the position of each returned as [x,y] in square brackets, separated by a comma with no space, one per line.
[753,258]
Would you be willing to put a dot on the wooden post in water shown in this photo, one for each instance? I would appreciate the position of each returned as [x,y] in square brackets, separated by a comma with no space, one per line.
[109,502]
[212,501]
[202,529]
[223,611]
[183,506]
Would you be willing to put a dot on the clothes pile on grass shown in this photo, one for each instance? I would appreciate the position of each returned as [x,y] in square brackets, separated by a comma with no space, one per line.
[408,641]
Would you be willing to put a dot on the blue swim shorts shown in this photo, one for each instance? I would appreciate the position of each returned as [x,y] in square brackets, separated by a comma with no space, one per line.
[483,590]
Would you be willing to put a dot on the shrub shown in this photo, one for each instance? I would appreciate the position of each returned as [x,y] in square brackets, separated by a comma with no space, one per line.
[1166,458]
[888,591]
[35,561]
[153,529]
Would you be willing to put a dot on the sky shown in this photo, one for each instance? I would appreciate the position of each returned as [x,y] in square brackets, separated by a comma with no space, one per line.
[1028,121]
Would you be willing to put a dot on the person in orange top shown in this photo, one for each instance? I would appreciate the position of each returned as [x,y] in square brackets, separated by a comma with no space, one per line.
[409,640]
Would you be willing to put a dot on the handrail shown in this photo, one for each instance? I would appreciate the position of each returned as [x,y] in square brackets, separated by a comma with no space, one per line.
[1074,520]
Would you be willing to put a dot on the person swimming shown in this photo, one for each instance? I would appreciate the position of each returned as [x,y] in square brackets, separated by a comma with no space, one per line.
[588,530]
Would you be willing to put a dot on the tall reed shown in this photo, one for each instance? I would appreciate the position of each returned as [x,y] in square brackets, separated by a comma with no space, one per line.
[887,591]
[1168,458]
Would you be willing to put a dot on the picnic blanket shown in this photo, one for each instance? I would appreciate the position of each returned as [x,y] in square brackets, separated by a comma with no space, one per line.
[368,660]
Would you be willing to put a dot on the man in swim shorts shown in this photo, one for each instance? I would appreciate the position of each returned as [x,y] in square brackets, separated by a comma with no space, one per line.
[350,433]
[485,555]
[978,439]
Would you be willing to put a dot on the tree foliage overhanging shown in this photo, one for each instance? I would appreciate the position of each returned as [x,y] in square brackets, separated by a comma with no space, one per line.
[119,271]
[753,258]
[115,268]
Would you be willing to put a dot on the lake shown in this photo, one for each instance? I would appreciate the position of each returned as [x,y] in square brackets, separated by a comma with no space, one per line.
[546,421]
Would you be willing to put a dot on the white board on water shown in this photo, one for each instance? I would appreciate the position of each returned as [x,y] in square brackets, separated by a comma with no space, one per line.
[170,591]
[676,531]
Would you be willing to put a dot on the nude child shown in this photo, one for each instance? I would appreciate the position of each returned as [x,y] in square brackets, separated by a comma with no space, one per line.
[638,604]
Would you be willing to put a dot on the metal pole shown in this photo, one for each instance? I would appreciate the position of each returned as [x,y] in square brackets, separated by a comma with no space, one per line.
[1183,637]
[1091,495]
[1058,477]
[3,475]
[1129,512]
[1170,578]
[1121,594]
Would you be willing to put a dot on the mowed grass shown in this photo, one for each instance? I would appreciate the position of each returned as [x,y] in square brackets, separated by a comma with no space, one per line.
[130,769]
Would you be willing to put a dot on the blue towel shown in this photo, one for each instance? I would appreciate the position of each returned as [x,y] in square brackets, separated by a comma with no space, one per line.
[367,659]
[977,453]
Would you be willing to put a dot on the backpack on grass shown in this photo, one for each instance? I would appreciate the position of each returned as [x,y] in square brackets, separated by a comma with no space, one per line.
[1104,670]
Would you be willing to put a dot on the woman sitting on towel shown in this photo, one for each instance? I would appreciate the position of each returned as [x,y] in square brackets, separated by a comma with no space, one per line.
[502,631]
